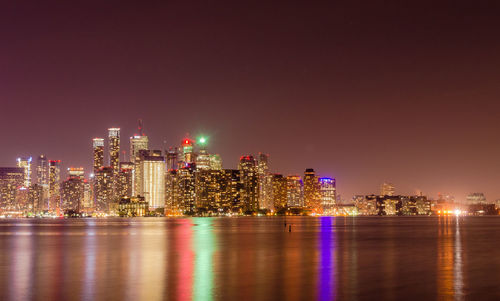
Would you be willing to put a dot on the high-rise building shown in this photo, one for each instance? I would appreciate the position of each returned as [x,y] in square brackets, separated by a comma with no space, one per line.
[124,188]
[328,194]
[230,190]
[265,183]
[103,188]
[207,191]
[294,191]
[311,192]
[114,149]
[36,198]
[76,172]
[186,189]
[42,170]
[137,143]
[98,149]
[54,184]
[203,160]
[172,158]
[72,193]
[387,189]
[476,198]
[152,185]
[215,162]
[25,163]
[11,180]
[249,183]
[279,192]
[187,155]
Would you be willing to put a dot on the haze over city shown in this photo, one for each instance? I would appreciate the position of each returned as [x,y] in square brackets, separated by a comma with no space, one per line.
[395,92]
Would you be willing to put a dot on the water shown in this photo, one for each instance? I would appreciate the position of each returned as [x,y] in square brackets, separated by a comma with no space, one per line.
[361,258]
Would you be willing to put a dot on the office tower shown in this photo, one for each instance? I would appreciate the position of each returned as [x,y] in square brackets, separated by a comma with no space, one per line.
[114,149]
[11,180]
[249,183]
[203,160]
[172,158]
[207,191]
[230,191]
[73,189]
[265,183]
[186,189]
[42,170]
[137,143]
[279,192]
[98,149]
[88,202]
[103,188]
[476,198]
[387,189]
[125,182]
[36,198]
[294,191]
[215,162]
[54,184]
[187,155]
[311,192]
[152,170]
[171,193]
[76,172]
[328,194]
[25,163]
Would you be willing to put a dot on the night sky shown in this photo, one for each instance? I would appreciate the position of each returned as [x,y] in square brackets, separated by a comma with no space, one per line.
[364,91]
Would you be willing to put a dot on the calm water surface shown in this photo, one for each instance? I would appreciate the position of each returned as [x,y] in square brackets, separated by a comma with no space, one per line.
[327,258]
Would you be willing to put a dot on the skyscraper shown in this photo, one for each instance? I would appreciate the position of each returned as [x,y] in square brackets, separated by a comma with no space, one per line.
[279,192]
[215,162]
[265,183]
[187,155]
[328,194]
[73,190]
[124,188]
[54,184]
[114,149]
[311,192]
[103,188]
[387,189]
[203,160]
[152,185]
[42,170]
[249,184]
[294,191]
[137,143]
[98,149]
[25,163]
[11,180]
[172,158]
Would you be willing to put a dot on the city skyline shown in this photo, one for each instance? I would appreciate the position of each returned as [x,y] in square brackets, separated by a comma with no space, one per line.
[400,92]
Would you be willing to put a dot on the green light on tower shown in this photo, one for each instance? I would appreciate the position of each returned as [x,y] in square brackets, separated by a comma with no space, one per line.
[203,140]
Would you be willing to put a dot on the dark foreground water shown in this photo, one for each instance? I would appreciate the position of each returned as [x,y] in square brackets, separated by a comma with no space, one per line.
[361,258]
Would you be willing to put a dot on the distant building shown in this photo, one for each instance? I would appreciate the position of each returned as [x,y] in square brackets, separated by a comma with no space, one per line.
[203,160]
[265,183]
[312,198]
[172,158]
[42,170]
[215,162]
[98,153]
[249,184]
[387,189]
[103,188]
[151,166]
[72,193]
[133,207]
[328,195]
[124,181]
[11,180]
[294,191]
[279,192]
[25,163]
[114,149]
[36,198]
[54,184]
[476,198]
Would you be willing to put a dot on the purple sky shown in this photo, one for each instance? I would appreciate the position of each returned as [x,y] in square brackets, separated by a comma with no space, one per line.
[364,91]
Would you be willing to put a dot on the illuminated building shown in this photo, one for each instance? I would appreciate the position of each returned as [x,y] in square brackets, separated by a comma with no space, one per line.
[265,183]
[137,143]
[11,180]
[367,205]
[172,158]
[152,185]
[207,190]
[203,160]
[186,190]
[98,150]
[36,198]
[328,194]
[249,184]
[133,207]
[88,202]
[187,155]
[124,181]
[25,162]
[215,162]
[387,189]
[230,191]
[279,192]
[42,170]
[312,198]
[76,172]
[73,192]
[114,149]
[294,191]
[54,184]
[389,205]
[103,188]
[172,193]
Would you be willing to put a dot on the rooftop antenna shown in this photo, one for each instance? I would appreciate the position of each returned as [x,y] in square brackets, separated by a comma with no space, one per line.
[139,126]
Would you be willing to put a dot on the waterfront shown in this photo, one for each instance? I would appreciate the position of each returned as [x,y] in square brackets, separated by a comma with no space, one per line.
[251,258]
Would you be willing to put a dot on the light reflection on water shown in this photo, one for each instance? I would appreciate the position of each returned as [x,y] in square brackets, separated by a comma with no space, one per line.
[325,258]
